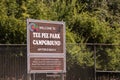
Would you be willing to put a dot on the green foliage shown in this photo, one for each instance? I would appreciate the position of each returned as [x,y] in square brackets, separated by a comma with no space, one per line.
[12,31]
[70,37]
[114,63]
[80,55]
[87,21]
[91,28]
[108,58]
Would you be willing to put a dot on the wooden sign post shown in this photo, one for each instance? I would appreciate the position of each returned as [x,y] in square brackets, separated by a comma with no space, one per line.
[46,46]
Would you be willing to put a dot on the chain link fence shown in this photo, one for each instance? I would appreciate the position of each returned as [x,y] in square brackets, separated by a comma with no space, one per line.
[13,62]
[84,62]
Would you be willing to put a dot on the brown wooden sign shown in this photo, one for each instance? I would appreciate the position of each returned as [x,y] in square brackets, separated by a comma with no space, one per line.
[43,64]
[46,39]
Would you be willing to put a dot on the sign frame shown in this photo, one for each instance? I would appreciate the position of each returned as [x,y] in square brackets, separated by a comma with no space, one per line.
[47,71]
[46,54]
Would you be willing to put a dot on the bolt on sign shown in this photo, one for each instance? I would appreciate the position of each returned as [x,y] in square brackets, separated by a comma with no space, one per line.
[45,46]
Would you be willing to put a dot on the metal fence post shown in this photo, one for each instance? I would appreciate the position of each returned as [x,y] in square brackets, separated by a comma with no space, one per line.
[34,76]
[29,77]
[94,61]
[62,76]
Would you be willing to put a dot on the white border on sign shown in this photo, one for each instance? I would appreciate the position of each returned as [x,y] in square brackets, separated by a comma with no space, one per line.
[58,55]
[47,71]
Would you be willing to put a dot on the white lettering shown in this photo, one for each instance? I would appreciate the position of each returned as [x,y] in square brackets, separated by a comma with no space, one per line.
[47,42]
[46,35]
[36,35]
[55,36]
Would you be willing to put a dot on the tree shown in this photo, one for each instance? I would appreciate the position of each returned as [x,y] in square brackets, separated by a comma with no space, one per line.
[87,21]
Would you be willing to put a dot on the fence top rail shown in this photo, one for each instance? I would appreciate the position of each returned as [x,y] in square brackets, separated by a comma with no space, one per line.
[107,71]
[13,44]
[96,44]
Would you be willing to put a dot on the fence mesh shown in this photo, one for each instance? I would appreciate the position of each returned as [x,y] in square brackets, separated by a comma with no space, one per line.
[13,62]
[84,62]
